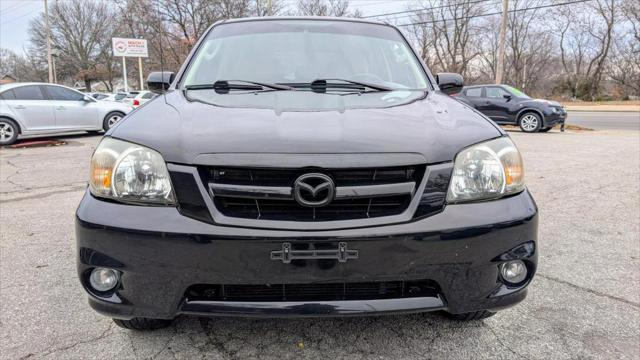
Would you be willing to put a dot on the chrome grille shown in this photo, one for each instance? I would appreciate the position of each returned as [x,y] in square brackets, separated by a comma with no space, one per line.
[267,194]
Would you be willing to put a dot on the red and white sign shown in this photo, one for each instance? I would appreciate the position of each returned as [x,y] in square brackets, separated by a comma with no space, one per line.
[129,47]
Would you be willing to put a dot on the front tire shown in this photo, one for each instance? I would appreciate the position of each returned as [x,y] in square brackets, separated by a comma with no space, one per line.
[471,316]
[111,119]
[142,324]
[530,122]
[8,131]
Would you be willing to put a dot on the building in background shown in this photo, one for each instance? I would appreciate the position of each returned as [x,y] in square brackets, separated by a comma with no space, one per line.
[7,79]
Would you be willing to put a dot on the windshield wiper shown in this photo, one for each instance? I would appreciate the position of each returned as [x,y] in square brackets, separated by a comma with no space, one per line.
[323,84]
[226,85]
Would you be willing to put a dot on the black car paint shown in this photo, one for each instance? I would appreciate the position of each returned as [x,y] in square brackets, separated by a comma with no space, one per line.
[160,252]
[508,110]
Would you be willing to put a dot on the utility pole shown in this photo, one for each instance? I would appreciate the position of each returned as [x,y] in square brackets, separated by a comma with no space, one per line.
[269,7]
[54,55]
[503,33]
[49,60]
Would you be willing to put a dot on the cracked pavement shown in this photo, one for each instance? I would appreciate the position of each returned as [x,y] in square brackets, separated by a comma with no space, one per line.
[584,302]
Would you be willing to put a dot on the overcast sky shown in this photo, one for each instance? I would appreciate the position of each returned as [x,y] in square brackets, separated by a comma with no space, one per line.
[16,14]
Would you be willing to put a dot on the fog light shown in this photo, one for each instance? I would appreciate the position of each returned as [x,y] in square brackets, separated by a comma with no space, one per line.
[513,272]
[103,279]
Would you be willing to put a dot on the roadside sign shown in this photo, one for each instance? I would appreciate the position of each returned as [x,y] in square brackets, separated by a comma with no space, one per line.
[129,47]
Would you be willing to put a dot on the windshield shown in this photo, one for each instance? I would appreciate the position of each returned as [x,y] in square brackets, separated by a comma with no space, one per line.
[301,51]
[517,93]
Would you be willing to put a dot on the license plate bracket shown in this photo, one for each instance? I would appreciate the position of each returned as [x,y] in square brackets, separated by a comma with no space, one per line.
[287,254]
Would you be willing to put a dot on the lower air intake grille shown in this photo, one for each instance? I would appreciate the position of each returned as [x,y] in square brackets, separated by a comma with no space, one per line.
[313,292]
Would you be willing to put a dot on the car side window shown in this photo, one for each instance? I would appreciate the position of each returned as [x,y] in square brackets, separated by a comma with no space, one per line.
[30,92]
[474,92]
[147,96]
[7,95]
[496,92]
[61,94]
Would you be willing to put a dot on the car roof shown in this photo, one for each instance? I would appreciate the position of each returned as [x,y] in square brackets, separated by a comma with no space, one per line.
[18,84]
[8,86]
[321,18]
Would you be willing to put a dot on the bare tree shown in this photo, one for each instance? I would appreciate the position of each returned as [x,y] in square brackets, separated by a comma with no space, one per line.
[624,65]
[24,68]
[269,7]
[81,36]
[528,47]
[325,8]
[452,46]
[586,38]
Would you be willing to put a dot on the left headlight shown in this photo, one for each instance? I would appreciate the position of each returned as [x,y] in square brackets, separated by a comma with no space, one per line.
[488,170]
[130,173]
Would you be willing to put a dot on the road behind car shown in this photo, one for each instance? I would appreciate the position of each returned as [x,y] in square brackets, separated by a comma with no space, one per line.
[583,303]
[605,120]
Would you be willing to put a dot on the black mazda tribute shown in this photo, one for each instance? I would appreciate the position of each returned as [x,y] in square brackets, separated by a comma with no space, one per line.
[304,167]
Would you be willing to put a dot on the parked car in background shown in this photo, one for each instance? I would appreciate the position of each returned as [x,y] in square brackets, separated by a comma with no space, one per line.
[39,108]
[137,98]
[114,97]
[507,105]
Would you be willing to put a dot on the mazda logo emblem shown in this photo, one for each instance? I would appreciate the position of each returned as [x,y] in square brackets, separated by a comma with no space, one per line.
[313,190]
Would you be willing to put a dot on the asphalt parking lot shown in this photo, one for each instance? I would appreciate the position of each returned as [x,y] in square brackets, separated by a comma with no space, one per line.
[584,302]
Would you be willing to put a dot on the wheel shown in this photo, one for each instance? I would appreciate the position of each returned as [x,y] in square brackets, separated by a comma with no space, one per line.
[546,129]
[530,122]
[471,316]
[142,324]
[8,131]
[111,119]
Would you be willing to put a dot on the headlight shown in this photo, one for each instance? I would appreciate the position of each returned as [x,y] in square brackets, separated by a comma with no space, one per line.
[487,170]
[130,173]
[554,110]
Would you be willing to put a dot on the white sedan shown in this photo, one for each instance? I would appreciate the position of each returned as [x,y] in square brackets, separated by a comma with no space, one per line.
[39,108]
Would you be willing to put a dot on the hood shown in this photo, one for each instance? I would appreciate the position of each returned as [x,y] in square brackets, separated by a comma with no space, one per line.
[432,125]
[546,102]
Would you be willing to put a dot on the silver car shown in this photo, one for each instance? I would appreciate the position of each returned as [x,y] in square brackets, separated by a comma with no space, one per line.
[39,108]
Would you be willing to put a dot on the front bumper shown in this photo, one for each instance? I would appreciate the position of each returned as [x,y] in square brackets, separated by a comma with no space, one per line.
[160,254]
[553,119]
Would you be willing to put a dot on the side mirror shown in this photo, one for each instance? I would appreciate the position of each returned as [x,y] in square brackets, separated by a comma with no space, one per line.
[88,98]
[159,81]
[450,83]
[507,96]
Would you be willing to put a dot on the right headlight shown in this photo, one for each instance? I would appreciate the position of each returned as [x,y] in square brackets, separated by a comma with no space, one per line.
[130,173]
[488,170]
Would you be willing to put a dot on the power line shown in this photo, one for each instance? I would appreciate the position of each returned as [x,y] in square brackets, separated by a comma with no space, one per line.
[425,9]
[488,2]
[20,17]
[496,13]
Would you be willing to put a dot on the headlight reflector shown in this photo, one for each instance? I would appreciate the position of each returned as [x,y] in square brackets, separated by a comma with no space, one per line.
[486,171]
[131,173]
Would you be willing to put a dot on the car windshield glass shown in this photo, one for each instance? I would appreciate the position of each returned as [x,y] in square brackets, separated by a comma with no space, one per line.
[301,51]
[517,92]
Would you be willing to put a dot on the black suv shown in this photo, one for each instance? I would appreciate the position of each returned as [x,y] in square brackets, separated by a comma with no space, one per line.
[304,167]
[507,105]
